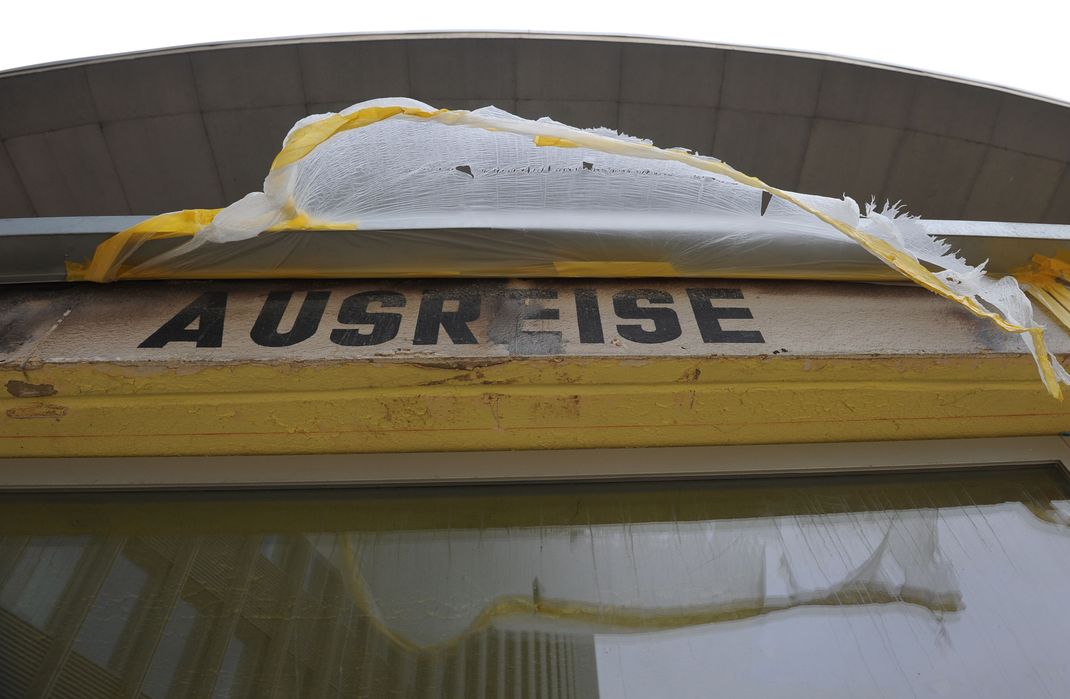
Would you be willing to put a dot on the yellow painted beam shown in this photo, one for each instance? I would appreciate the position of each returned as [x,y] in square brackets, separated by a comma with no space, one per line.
[387,366]
[100,409]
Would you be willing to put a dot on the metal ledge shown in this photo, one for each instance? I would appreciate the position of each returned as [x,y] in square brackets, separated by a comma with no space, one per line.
[36,249]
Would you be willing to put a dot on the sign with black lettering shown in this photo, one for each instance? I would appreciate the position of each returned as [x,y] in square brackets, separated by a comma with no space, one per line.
[509,318]
[431,321]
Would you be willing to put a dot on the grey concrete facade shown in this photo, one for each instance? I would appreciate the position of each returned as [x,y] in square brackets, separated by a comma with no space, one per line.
[198,126]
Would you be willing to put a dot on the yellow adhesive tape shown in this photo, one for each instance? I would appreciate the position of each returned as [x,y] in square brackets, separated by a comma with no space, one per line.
[554,141]
[615,269]
[1055,299]
[305,139]
[111,253]
[1043,281]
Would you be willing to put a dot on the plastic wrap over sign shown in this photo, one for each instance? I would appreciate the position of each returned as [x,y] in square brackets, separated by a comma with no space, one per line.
[394,187]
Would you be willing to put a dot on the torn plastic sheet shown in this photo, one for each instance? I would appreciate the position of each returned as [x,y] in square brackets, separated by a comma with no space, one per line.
[400,165]
[643,577]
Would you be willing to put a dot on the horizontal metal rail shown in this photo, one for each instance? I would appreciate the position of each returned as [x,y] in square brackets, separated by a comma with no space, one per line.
[37,249]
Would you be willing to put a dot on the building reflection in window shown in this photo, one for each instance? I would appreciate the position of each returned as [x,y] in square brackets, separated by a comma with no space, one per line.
[936,584]
[42,571]
[226,679]
[113,605]
[170,651]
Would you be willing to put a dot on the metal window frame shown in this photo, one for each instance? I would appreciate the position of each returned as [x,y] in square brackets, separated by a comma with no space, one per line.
[537,466]
[36,250]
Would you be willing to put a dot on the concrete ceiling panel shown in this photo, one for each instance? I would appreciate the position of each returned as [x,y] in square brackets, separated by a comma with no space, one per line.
[325,107]
[671,75]
[508,105]
[1058,210]
[770,147]
[865,95]
[164,136]
[262,76]
[45,101]
[669,126]
[932,175]
[14,201]
[68,172]
[466,69]
[758,82]
[948,108]
[141,88]
[1033,127]
[244,142]
[355,71]
[584,115]
[568,70]
[843,157]
[1013,187]
[165,163]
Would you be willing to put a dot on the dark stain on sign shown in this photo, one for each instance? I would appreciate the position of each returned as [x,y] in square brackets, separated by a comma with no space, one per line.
[27,316]
[23,389]
[509,312]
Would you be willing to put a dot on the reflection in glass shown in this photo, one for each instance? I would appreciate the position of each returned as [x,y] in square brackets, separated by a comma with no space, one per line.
[113,605]
[271,548]
[170,651]
[938,584]
[40,574]
[228,672]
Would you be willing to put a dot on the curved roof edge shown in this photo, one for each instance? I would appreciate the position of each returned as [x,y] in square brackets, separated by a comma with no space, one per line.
[88,137]
[567,36]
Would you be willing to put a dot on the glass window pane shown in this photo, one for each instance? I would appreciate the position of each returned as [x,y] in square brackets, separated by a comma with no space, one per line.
[927,584]
[227,679]
[169,651]
[271,548]
[39,576]
[112,607]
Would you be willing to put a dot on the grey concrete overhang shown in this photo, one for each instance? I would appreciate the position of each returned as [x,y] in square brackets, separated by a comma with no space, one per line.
[197,126]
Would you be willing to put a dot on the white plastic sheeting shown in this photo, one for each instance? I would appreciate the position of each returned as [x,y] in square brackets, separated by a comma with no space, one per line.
[400,165]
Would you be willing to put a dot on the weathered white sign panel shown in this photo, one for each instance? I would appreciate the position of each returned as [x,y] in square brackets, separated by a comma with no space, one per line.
[405,320]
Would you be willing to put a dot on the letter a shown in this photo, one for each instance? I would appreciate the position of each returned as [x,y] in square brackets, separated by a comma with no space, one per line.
[208,310]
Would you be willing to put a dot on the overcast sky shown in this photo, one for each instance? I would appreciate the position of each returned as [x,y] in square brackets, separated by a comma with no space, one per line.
[1019,44]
